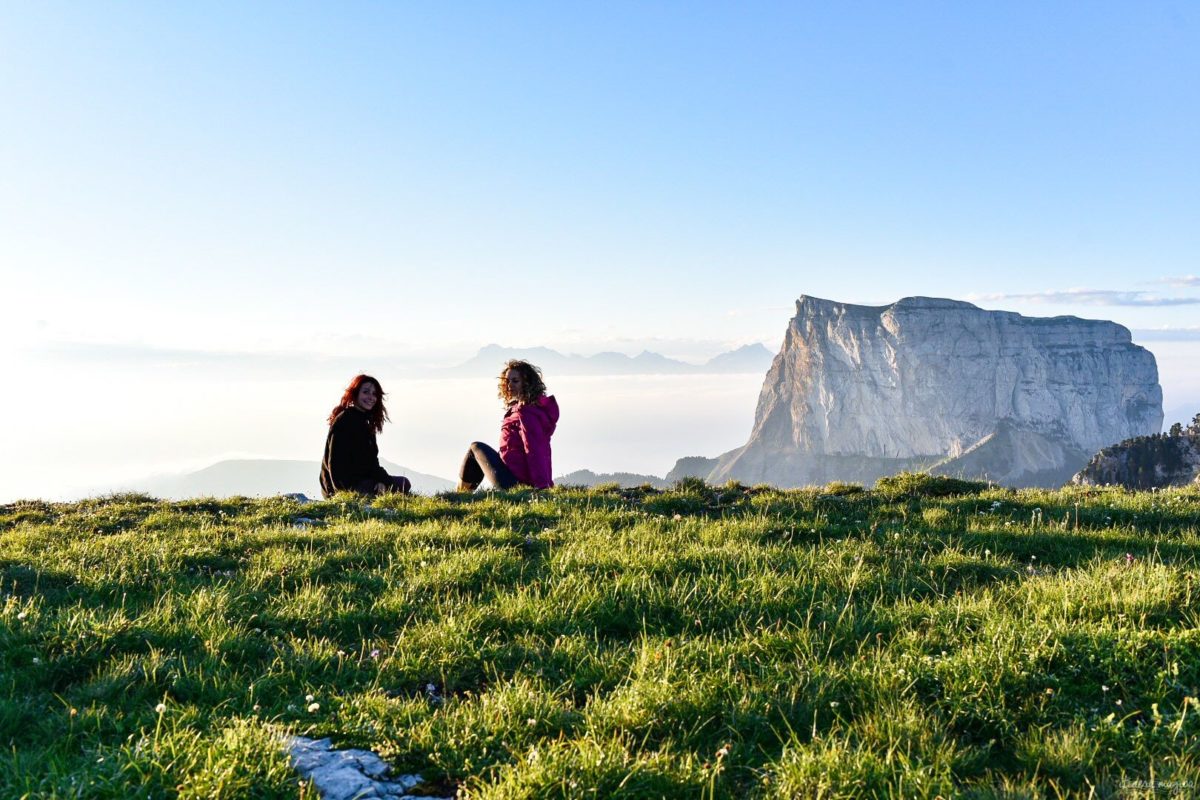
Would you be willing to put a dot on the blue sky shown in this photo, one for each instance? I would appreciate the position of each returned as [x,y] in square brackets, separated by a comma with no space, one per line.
[417,180]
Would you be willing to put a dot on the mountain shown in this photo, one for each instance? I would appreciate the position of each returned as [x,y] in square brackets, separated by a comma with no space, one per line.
[264,477]
[691,467]
[585,477]
[1146,462]
[750,358]
[859,392]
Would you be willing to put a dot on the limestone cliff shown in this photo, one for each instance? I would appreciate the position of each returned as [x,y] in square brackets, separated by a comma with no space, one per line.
[858,392]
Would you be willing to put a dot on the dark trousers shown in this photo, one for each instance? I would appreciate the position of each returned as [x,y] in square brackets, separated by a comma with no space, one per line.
[394,483]
[482,461]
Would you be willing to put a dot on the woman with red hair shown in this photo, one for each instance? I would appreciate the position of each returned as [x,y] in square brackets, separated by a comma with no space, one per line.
[351,461]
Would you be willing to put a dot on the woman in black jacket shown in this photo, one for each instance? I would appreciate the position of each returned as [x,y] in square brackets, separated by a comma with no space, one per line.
[351,461]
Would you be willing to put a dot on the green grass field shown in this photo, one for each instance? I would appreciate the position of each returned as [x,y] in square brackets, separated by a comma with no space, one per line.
[928,638]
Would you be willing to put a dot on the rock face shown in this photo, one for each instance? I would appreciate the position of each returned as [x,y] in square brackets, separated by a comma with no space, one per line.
[858,392]
[1147,462]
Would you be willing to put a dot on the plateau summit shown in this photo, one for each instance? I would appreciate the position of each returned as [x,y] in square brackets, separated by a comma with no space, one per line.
[859,392]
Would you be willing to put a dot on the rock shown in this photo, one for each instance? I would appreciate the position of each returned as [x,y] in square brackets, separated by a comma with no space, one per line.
[348,774]
[859,392]
[690,467]
[1146,462]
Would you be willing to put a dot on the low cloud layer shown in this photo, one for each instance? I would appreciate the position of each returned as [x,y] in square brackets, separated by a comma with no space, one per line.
[1093,297]
[1182,282]
[1167,335]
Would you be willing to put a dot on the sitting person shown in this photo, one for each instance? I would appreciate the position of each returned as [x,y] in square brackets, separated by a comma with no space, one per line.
[351,461]
[529,420]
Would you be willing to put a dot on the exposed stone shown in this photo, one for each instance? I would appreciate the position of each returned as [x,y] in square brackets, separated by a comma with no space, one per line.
[1148,462]
[349,774]
[690,467]
[859,392]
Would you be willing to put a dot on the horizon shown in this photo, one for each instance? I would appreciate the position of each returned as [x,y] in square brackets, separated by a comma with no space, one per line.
[720,406]
[213,216]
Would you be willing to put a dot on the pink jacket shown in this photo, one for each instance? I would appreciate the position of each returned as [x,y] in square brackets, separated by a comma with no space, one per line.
[525,441]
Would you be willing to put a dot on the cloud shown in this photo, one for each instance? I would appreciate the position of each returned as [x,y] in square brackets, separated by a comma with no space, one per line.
[1092,297]
[762,311]
[195,360]
[1182,281]
[1167,334]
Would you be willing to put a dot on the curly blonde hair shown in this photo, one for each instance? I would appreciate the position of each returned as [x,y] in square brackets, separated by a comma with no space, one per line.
[535,387]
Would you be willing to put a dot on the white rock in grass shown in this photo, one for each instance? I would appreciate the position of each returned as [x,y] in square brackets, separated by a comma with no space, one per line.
[348,774]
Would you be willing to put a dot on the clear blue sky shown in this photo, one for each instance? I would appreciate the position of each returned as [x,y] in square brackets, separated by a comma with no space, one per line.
[421,179]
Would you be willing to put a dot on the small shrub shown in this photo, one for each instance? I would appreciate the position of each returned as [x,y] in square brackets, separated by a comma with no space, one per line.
[921,484]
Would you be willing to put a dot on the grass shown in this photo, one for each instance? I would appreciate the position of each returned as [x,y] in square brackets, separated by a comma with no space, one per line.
[928,638]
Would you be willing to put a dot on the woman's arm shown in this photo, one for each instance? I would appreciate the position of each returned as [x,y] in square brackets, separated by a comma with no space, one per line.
[536,440]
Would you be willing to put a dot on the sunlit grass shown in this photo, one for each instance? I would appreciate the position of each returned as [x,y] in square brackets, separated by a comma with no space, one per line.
[928,638]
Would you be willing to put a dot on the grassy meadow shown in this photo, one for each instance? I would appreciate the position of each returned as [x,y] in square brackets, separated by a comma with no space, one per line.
[929,638]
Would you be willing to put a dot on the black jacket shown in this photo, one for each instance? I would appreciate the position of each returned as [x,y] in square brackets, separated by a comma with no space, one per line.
[351,459]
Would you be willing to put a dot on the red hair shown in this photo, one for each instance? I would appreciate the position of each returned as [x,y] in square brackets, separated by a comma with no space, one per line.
[376,416]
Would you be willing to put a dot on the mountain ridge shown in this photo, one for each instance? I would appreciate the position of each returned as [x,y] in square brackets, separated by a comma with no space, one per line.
[751,358]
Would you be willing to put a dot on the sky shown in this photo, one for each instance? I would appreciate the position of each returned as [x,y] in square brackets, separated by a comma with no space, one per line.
[212,214]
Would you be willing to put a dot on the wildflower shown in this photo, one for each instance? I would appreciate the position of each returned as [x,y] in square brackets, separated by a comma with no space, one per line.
[1128,559]
[724,751]
[374,654]
[21,615]
[833,703]
[1120,703]
[314,708]
[678,517]
[308,698]
[160,708]
[74,712]
[257,708]
[1103,688]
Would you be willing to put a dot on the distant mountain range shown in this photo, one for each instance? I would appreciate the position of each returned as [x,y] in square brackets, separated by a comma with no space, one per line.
[263,478]
[585,477]
[268,477]
[754,358]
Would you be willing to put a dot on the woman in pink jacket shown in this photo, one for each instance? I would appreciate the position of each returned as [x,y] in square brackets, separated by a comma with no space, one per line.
[529,421]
